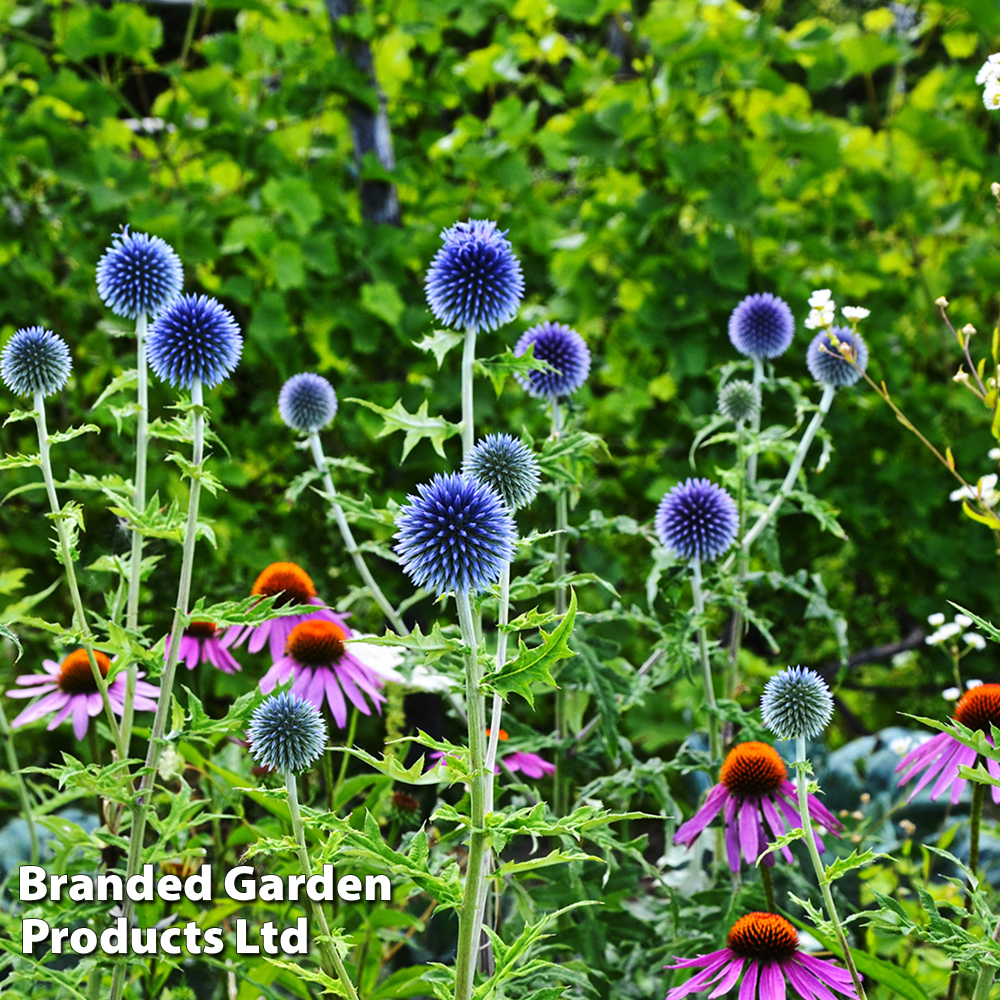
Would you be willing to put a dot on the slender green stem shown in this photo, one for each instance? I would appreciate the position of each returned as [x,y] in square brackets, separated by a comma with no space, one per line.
[793,470]
[468,369]
[975,826]
[758,379]
[67,560]
[22,788]
[732,678]
[349,543]
[706,664]
[143,800]
[333,966]
[469,916]
[139,501]
[765,881]
[986,974]
[352,728]
[802,794]
[560,787]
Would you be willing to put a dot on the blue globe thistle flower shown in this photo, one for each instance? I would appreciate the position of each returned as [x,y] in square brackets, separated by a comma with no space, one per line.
[508,465]
[762,326]
[456,536]
[739,400]
[287,733]
[138,274]
[194,337]
[828,366]
[474,281]
[564,349]
[796,703]
[697,520]
[307,402]
[35,360]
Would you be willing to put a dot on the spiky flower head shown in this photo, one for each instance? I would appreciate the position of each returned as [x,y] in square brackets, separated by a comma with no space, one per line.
[474,281]
[739,400]
[508,465]
[564,349]
[307,402]
[762,326]
[455,536]
[287,733]
[796,703]
[35,360]
[697,520]
[195,337]
[828,366]
[138,274]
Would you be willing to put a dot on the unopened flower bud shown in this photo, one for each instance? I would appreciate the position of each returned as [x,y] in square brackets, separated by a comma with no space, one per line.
[941,302]
[960,376]
[995,188]
[968,329]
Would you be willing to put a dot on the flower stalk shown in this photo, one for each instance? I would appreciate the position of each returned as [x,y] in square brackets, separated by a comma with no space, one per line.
[714,743]
[560,791]
[22,788]
[758,378]
[468,370]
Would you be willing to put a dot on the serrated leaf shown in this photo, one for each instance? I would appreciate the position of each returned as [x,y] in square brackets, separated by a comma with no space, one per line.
[439,343]
[783,841]
[841,866]
[73,432]
[416,426]
[19,461]
[6,633]
[532,665]
[415,775]
[552,858]
[434,645]
[499,367]
[127,380]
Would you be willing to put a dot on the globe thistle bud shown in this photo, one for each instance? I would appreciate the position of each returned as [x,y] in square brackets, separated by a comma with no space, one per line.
[287,733]
[508,465]
[762,326]
[474,281]
[35,360]
[138,274]
[565,350]
[307,402]
[697,520]
[194,337]
[796,703]
[828,366]
[455,536]
[739,400]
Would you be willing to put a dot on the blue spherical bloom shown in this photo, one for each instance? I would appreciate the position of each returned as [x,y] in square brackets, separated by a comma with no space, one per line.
[456,536]
[138,274]
[195,337]
[828,366]
[564,349]
[474,281]
[287,733]
[307,402]
[796,703]
[697,520]
[35,360]
[506,464]
[762,326]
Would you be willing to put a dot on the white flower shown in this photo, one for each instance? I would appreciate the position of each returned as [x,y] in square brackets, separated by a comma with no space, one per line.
[900,746]
[975,640]
[820,298]
[383,660]
[991,95]
[990,70]
[994,453]
[935,619]
[984,490]
[969,685]
[821,316]
[964,620]
[943,634]
[950,694]
[856,313]
[427,680]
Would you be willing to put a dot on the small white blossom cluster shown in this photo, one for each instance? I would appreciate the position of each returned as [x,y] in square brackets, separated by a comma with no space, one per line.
[953,693]
[988,77]
[822,310]
[994,453]
[985,490]
[948,630]
[856,313]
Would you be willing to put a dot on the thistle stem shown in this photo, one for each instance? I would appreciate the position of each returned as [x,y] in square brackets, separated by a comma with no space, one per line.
[560,792]
[706,664]
[975,826]
[469,916]
[139,502]
[22,788]
[143,799]
[333,966]
[67,561]
[802,794]
[793,470]
[468,369]
[349,543]
[758,378]
[732,678]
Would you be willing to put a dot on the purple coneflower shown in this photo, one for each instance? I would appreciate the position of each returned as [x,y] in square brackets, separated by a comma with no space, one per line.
[753,784]
[69,688]
[201,643]
[763,948]
[943,755]
[295,587]
[325,668]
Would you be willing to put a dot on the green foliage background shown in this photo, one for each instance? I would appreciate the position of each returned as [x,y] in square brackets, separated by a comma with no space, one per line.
[653,162]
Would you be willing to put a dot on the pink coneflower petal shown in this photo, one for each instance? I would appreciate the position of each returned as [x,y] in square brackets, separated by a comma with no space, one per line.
[698,962]
[967,758]
[732,834]
[778,827]
[80,717]
[688,832]
[94,704]
[46,680]
[361,676]
[948,769]
[335,699]
[748,829]
[259,635]
[192,653]
[32,692]
[994,769]
[922,755]
[827,972]
[729,979]
[317,688]
[748,991]
[353,694]
[703,978]
[53,700]
[772,982]
[62,714]
[805,982]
